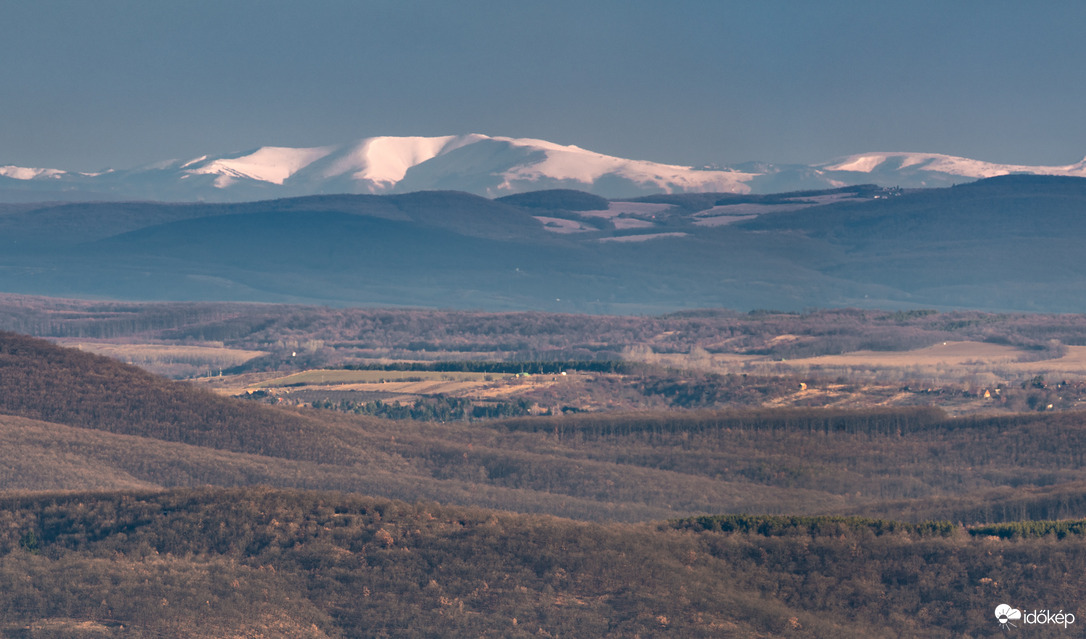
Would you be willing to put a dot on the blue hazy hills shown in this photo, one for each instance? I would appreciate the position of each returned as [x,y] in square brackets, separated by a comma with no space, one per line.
[1008,243]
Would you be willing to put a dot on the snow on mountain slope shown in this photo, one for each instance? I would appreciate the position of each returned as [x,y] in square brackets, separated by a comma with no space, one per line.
[26,173]
[267,164]
[379,164]
[579,165]
[385,160]
[483,165]
[946,164]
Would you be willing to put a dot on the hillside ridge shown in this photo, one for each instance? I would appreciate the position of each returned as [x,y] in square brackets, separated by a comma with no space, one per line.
[569,251]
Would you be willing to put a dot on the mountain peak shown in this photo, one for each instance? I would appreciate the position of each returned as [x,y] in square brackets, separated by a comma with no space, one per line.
[28,173]
[883,162]
[385,160]
[476,163]
[267,164]
[491,166]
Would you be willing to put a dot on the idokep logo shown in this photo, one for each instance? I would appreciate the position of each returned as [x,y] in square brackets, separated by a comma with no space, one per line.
[1006,616]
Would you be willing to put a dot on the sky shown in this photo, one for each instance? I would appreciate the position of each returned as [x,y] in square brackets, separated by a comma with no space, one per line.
[123,83]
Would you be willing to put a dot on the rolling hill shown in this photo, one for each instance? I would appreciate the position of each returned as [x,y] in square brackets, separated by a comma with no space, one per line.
[169,511]
[73,420]
[1004,243]
[210,563]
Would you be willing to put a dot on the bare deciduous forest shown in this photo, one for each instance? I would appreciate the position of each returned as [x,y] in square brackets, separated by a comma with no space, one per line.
[368,473]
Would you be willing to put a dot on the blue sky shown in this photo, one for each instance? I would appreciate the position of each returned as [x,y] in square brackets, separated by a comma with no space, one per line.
[110,83]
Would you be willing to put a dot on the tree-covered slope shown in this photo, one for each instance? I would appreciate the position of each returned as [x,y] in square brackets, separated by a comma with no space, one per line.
[259,562]
[73,420]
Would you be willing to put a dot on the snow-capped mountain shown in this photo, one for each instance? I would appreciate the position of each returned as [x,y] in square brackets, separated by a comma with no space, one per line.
[480,164]
[491,166]
[915,167]
[484,165]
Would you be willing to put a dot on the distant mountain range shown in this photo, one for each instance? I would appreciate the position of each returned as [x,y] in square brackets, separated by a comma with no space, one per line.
[1005,243]
[478,164]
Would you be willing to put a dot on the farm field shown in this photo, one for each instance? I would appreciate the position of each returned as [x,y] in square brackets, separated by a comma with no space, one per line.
[710,360]
[169,359]
[978,355]
[351,389]
[966,363]
[348,377]
[976,363]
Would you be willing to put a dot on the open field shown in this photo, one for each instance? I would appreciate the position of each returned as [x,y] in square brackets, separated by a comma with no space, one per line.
[401,385]
[977,363]
[978,355]
[654,388]
[838,358]
[944,354]
[346,377]
[351,388]
[169,360]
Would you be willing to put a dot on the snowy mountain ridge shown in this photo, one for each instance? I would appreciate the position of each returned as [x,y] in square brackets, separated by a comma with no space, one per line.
[948,164]
[484,165]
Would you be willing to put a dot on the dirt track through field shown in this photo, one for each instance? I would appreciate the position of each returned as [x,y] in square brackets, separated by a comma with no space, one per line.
[946,353]
[978,354]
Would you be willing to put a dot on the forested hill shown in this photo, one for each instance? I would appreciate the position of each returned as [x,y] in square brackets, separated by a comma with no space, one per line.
[1010,243]
[212,563]
[45,382]
[69,420]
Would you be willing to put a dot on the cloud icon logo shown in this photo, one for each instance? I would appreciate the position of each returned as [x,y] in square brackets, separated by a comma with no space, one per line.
[1005,614]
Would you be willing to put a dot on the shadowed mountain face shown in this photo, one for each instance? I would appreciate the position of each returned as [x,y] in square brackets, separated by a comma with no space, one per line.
[1010,243]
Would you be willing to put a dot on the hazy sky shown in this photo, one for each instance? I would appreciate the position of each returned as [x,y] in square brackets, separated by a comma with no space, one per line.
[89,84]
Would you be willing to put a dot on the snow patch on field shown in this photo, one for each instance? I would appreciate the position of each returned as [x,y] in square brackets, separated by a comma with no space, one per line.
[562,225]
[642,238]
[641,209]
[750,209]
[723,220]
[730,213]
[623,223]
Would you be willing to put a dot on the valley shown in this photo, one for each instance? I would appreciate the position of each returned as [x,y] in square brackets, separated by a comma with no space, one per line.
[714,359]
[425,320]
[281,453]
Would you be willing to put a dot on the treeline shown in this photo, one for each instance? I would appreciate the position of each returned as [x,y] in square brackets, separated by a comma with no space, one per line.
[353,333]
[700,390]
[1021,529]
[807,420]
[779,525]
[430,409]
[505,368]
[50,317]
